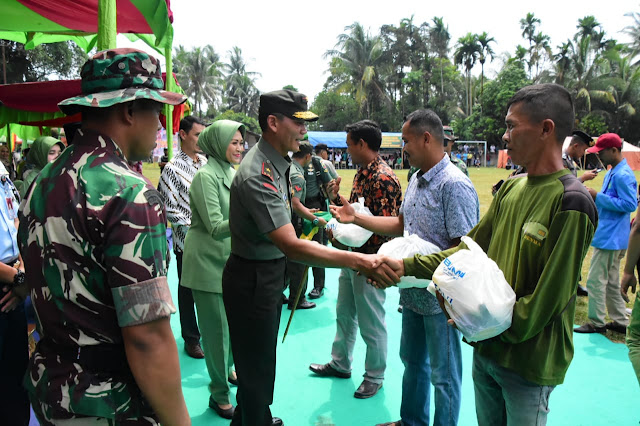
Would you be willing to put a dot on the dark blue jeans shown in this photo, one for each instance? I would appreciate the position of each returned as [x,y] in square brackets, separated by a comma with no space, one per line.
[431,354]
[14,357]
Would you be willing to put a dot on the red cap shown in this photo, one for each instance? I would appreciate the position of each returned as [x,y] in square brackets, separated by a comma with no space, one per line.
[608,140]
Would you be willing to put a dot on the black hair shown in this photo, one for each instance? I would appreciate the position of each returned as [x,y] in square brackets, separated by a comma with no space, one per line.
[321,147]
[425,120]
[368,131]
[547,101]
[262,120]
[187,123]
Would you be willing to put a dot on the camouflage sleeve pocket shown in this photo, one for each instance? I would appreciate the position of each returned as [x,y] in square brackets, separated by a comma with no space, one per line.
[143,302]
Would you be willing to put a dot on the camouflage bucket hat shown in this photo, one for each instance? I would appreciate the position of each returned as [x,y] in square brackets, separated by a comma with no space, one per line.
[121,75]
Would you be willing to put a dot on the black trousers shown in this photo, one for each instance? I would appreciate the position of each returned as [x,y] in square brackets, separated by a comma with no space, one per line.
[186,306]
[252,294]
[14,357]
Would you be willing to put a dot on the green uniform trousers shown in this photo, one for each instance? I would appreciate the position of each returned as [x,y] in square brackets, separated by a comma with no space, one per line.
[633,338]
[214,330]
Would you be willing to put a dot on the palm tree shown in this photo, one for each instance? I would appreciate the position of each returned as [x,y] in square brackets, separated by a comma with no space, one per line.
[633,31]
[439,35]
[354,65]
[240,91]
[466,54]
[586,27]
[528,27]
[485,51]
[539,51]
[199,72]
[563,61]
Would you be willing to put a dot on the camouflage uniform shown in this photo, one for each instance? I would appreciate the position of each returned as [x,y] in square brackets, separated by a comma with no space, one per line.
[460,164]
[97,262]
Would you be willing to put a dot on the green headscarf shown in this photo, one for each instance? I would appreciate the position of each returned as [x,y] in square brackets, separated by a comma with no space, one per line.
[214,141]
[39,151]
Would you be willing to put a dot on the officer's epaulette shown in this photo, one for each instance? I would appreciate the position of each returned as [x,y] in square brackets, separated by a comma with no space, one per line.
[266,171]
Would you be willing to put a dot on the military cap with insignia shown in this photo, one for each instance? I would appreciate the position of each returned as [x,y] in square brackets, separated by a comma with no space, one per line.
[286,102]
[583,137]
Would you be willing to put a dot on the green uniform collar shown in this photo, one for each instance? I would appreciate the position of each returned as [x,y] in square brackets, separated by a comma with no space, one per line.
[279,162]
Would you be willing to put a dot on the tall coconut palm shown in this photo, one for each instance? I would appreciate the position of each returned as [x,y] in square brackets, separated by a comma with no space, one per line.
[633,31]
[199,73]
[466,55]
[240,91]
[485,52]
[356,59]
[540,51]
[440,37]
[563,61]
[528,26]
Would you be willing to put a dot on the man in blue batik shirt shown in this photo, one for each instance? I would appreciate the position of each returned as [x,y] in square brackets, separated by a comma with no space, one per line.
[615,202]
[440,206]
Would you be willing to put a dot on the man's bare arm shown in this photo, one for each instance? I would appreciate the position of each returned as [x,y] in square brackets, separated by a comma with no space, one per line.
[153,359]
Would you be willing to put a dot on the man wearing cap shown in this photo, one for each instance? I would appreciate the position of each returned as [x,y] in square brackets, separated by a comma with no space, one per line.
[615,203]
[295,271]
[580,141]
[262,237]
[175,181]
[322,151]
[93,237]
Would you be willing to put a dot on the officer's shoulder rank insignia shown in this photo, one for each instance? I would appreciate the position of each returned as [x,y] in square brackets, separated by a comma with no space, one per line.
[267,171]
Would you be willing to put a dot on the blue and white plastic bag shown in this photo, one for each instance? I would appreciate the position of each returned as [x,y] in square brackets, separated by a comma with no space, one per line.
[477,296]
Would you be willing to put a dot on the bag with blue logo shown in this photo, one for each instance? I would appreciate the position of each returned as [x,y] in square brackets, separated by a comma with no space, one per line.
[408,246]
[477,296]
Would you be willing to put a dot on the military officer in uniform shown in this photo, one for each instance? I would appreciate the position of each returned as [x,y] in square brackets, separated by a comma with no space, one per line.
[93,237]
[262,238]
[580,141]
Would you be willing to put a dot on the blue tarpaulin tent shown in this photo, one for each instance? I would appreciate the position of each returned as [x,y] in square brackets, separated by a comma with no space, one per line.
[339,139]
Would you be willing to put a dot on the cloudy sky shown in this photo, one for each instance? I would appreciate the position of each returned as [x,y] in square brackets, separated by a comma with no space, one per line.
[285,40]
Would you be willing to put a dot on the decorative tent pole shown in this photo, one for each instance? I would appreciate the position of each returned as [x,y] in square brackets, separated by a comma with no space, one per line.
[107,27]
[168,109]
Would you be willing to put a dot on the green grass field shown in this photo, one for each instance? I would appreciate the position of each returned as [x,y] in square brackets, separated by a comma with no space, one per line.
[483,179]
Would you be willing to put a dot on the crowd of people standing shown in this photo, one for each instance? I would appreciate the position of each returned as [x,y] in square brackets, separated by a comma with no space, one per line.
[89,242]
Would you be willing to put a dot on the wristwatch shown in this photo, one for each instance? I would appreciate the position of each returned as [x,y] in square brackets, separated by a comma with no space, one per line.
[315,222]
[18,278]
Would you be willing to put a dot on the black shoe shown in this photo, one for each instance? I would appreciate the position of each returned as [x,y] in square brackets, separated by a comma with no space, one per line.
[326,370]
[285,299]
[225,414]
[400,308]
[582,291]
[316,293]
[367,389]
[614,326]
[396,423]
[276,421]
[305,304]
[590,328]
[194,350]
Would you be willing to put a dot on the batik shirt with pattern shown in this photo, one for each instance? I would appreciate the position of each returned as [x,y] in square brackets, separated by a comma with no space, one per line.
[93,236]
[382,194]
[174,185]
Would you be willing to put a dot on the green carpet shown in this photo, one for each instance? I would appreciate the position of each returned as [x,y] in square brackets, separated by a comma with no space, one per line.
[600,387]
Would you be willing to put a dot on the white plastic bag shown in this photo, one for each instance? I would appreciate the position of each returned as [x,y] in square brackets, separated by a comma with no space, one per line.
[478,297]
[349,234]
[408,246]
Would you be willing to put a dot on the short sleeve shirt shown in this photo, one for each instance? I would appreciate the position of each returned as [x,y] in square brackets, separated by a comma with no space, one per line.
[313,188]
[382,194]
[8,231]
[298,182]
[260,202]
[93,236]
[439,206]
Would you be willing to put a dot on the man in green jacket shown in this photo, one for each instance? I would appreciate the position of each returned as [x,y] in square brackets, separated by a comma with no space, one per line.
[538,230]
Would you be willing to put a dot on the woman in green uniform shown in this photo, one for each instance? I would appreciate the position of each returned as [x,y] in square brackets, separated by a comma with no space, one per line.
[206,249]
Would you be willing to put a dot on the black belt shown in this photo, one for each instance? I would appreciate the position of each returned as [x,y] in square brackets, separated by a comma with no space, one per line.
[101,358]
[244,259]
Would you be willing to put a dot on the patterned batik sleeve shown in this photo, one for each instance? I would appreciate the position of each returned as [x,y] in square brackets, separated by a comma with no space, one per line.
[387,195]
[135,255]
